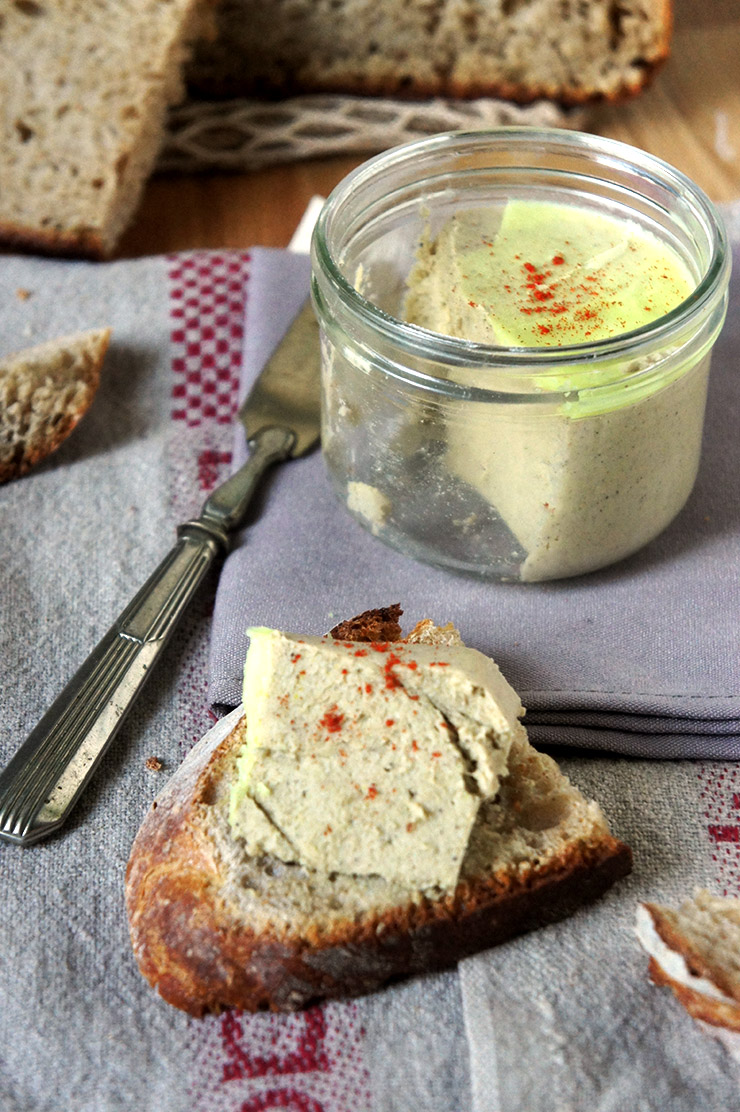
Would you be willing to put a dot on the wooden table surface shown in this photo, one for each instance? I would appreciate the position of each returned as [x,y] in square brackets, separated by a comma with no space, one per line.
[690,116]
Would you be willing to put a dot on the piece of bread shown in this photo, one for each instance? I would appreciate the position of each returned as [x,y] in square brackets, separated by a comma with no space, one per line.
[44,391]
[212,926]
[84,92]
[520,50]
[695,951]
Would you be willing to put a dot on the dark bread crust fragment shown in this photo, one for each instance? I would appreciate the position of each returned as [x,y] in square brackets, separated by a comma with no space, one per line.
[372,625]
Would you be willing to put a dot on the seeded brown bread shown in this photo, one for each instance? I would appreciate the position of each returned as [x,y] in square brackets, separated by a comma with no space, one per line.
[212,926]
[84,92]
[44,392]
[569,51]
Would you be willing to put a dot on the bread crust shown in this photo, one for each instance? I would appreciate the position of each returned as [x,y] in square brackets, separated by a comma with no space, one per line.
[718,1013]
[199,955]
[516,93]
[84,243]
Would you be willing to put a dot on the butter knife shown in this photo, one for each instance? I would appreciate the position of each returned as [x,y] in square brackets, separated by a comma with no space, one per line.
[45,778]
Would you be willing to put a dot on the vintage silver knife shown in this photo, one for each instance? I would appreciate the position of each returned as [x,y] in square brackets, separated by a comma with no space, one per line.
[47,775]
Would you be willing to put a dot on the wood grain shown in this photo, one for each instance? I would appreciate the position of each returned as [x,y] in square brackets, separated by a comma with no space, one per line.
[690,117]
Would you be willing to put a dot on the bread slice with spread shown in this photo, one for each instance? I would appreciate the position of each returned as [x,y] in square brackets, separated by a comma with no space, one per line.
[252,908]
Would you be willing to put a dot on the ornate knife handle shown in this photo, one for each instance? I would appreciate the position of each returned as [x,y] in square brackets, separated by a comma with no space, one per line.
[45,778]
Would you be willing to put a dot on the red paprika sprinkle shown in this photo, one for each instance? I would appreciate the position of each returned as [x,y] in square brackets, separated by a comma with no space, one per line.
[391,679]
[557,260]
[372,791]
[332,720]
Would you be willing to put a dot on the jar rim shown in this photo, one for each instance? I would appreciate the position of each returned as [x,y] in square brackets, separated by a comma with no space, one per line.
[423,342]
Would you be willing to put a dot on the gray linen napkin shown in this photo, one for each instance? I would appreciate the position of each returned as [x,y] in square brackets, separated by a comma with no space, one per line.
[640,658]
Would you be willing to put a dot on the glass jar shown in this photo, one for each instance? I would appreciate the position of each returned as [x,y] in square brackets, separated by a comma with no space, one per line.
[518,463]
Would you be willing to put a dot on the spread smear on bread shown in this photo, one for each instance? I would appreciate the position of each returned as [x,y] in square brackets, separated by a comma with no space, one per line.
[370,759]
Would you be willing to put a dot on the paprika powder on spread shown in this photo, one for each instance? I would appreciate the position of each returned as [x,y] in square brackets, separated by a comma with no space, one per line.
[590,476]
[369,759]
[543,274]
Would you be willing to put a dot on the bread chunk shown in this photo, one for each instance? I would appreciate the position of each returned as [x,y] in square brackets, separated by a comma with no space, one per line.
[695,951]
[520,50]
[84,91]
[215,925]
[44,391]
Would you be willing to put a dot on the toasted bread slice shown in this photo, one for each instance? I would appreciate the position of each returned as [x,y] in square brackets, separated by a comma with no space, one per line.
[44,391]
[212,926]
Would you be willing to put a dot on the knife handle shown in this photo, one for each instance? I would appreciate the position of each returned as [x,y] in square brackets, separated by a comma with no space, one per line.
[45,778]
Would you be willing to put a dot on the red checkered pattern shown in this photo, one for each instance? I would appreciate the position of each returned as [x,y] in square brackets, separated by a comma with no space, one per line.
[312,1061]
[308,1062]
[720,795]
[207,295]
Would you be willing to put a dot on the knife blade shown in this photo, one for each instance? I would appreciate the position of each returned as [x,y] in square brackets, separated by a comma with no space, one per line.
[46,777]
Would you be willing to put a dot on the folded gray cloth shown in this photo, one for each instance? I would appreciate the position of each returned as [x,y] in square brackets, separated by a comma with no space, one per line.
[640,658]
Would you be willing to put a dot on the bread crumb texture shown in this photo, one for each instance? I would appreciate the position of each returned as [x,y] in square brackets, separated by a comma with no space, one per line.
[84,91]
[44,391]
[570,51]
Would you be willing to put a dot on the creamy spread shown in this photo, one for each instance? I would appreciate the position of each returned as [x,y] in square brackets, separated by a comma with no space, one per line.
[541,274]
[595,474]
[369,503]
[369,759]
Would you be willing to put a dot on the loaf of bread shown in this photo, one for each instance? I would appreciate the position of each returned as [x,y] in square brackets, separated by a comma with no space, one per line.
[214,925]
[44,391]
[84,91]
[569,51]
[695,951]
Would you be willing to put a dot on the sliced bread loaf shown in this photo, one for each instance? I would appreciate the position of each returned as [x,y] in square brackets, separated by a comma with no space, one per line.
[214,925]
[44,391]
[569,51]
[84,90]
